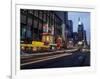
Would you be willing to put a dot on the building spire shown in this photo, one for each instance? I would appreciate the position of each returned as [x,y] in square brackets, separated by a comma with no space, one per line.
[79,21]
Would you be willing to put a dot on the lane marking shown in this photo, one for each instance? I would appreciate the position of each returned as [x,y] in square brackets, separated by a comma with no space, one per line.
[30,55]
[47,58]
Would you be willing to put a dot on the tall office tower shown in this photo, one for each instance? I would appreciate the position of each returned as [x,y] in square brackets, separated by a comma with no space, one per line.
[80,30]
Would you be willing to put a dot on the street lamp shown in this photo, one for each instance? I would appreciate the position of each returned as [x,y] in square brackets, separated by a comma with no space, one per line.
[80,45]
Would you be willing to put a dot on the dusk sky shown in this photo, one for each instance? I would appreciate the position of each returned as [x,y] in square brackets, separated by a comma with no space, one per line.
[85,19]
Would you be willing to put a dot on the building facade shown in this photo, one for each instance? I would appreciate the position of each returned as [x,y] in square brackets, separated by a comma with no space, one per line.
[81,33]
[33,23]
[75,38]
[70,29]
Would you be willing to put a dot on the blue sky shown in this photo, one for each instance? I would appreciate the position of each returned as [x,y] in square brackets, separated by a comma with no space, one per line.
[85,19]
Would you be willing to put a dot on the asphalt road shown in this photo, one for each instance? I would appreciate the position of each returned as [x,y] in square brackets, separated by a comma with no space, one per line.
[77,59]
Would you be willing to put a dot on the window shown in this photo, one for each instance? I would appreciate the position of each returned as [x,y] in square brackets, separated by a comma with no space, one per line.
[23,31]
[28,32]
[44,16]
[35,23]
[30,12]
[29,26]
[48,21]
[40,25]
[40,14]
[23,19]
[24,11]
[36,13]
[36,37]
[29,21]
[47,13]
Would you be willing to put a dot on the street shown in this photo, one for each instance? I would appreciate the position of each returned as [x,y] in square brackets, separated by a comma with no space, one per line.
[56,60]
[52,39]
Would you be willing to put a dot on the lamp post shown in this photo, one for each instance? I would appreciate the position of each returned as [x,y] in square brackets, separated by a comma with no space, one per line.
[80,45]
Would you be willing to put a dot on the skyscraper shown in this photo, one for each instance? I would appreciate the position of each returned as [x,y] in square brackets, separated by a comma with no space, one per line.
[70,29]
[63,15]
[80,30]
[75,38]
[66,25]
[81,33]
[85,39]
